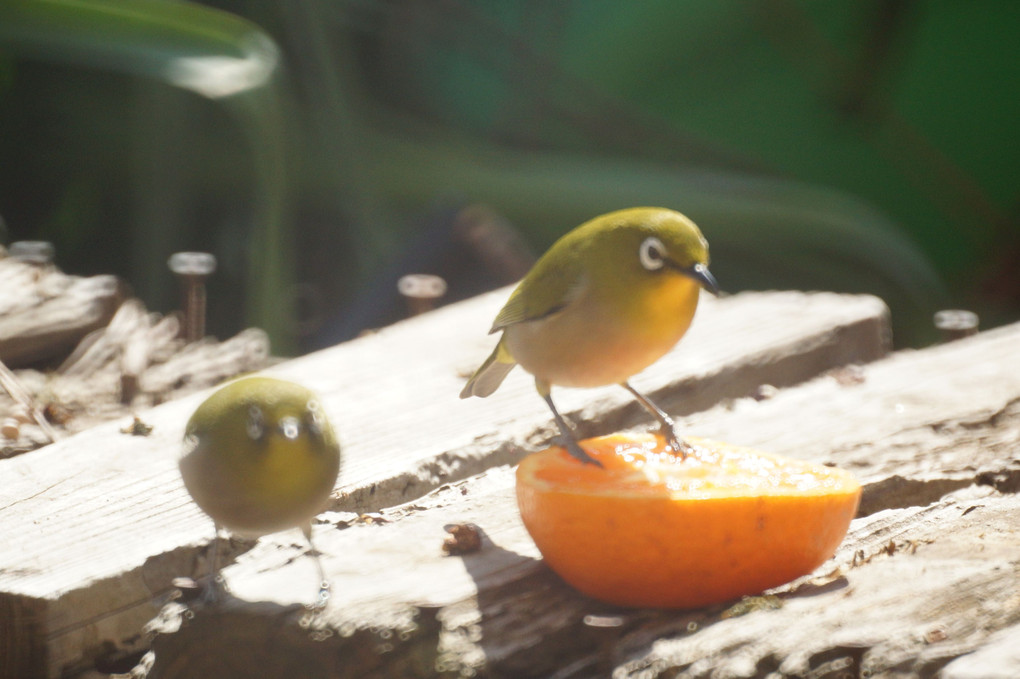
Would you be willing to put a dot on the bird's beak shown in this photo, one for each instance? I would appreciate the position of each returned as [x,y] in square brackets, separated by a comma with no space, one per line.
[702,275]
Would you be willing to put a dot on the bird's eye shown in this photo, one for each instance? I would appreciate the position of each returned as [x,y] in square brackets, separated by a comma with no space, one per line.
[652,253]
[255,425]
[315,417]
[191,442]
[290,427]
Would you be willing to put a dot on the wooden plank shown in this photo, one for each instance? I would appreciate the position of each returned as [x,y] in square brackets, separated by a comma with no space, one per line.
[910,590]
[920,581]
[999,658]
[392,395]
[98,524]
[44,313]
[137,360]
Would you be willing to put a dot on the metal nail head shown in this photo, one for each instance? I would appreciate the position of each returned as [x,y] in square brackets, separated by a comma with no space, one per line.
[421,291]
[956,323]
[38,252]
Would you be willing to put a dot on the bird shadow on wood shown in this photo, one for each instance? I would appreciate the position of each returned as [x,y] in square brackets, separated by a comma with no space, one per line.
[529,622]
[231,637]
[204,630]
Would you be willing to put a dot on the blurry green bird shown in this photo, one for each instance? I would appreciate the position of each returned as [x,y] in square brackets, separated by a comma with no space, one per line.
[261,457]
[607,300]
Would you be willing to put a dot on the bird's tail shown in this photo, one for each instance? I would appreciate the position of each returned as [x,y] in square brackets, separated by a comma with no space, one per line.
[491,373]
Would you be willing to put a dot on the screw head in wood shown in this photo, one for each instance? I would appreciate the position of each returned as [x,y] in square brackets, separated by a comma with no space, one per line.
[37,252]
[421,291]
[956,323]
[192,263]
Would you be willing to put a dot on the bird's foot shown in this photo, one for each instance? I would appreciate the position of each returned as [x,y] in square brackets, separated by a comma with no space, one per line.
[215,590]
[210,590]
[577,452]
[323,598]
[675,442]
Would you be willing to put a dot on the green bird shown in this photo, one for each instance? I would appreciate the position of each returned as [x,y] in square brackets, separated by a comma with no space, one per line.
[260,456]
[607,300]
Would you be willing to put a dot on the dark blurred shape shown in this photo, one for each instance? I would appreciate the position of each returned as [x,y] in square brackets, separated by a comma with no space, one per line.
[885,32]
[470,247]
[1001,281]
[498,253]
[121,147]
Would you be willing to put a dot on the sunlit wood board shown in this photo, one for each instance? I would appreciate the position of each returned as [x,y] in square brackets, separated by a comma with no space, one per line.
[925,577]
[97,525]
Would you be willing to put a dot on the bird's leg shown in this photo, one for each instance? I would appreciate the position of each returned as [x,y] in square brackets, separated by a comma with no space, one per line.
[570,441]
[216,586]
[324,586]
[666,426]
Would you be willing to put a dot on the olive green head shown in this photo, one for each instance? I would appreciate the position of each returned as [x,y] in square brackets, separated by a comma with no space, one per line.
[255,410]
[620,254]
[643,241]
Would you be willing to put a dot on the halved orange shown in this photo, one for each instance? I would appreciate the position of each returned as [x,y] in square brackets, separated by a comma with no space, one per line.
[651,529]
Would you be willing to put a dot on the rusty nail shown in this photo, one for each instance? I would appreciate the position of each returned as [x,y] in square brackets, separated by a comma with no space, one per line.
[421,291]
[38,252]
[427,618]
[956,323]
[605,629]
[191,269]
[128,388]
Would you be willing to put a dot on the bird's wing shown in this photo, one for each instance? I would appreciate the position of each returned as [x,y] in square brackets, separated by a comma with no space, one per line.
[543,292]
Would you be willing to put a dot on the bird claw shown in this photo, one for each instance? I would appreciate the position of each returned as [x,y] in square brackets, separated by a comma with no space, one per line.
[210,591]
[322,600]
[577,452]
[677,444]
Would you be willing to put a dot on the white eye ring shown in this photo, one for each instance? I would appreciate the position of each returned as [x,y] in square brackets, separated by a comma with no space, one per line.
[290,427]
[652,253]
[255,424]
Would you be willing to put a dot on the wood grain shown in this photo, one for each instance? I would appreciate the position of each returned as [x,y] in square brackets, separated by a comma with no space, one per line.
[96,525]
[923,580]
[45,313]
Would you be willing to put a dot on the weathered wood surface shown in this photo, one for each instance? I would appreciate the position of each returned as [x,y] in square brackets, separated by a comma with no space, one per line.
[96,354]
[928,579]
[44,312]
[133,362]
[97,525]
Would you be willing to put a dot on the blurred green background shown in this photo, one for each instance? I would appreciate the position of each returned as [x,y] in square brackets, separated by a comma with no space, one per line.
[321,149]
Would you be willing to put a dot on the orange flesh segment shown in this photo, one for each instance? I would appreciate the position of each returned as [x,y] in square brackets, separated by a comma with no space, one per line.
[652,529]
[642,466]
